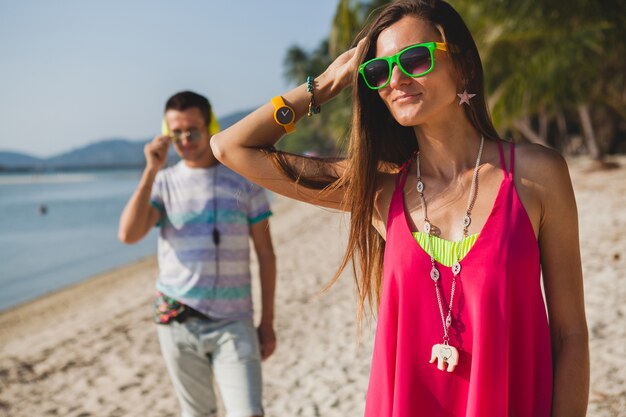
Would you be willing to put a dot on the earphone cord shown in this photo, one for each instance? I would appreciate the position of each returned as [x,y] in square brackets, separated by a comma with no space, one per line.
[216,232]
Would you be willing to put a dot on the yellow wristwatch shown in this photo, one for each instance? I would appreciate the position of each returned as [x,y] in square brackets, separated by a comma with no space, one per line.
[283,114]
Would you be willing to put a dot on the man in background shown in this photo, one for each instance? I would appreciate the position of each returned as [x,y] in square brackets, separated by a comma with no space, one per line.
[207,215]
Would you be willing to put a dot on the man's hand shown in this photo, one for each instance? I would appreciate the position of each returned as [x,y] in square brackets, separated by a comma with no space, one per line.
[156,152]
[267,340]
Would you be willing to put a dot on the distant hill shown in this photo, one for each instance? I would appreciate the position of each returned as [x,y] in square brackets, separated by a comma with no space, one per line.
[107,153]
[231,119]
[16,160]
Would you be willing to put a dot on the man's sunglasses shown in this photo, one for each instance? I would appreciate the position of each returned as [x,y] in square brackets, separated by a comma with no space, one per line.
[414,61]
[192,135]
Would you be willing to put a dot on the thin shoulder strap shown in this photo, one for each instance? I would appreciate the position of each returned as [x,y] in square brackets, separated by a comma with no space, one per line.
[511,159]
[502,161]
[509,172]
[404,172]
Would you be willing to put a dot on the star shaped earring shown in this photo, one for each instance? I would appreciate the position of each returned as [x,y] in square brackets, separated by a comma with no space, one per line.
[465,97]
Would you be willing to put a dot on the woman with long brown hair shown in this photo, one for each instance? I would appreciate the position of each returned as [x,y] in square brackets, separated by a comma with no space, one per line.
[450,228]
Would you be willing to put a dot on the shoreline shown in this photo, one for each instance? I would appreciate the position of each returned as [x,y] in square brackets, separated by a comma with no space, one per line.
[18,323]
[87,281]
[276,203]
[37,305]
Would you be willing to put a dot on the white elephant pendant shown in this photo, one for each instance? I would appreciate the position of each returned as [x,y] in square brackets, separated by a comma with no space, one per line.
[445,355]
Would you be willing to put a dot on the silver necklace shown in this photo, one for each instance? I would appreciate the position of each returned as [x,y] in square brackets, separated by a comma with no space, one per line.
[446,355]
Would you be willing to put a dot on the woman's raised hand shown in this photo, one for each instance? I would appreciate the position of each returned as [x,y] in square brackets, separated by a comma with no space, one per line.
[344,68]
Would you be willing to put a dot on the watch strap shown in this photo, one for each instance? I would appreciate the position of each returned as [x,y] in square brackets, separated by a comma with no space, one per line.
[279,103]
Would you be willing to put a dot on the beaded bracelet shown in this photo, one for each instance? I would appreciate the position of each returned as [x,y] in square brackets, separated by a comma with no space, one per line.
[313,108]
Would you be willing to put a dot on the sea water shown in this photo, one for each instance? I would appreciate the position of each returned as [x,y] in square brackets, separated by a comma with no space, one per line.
[57,229]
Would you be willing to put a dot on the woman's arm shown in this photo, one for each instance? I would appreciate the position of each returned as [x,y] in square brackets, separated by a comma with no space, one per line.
[242,147]
[563,283]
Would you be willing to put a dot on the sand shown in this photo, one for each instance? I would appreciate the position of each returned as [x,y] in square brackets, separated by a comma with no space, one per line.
[91,349]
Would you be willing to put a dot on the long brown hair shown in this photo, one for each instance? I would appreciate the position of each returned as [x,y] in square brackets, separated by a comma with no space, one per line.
[377,139]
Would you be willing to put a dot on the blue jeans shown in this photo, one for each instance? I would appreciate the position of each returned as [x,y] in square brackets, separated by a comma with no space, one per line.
[198,351]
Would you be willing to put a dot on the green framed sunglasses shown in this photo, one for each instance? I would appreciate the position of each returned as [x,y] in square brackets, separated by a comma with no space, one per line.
[414,61]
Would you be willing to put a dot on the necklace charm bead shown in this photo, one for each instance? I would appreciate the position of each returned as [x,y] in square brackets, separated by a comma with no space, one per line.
[447,357]
[456,268]
[427,228]
[434,274]
[420,186]
[467,220]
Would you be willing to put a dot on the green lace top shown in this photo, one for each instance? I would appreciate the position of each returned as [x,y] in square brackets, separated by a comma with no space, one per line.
[445,251]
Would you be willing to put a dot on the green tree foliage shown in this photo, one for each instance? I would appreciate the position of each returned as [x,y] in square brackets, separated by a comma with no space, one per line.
[321,133]
[555,71]
[345,26]
[326,133]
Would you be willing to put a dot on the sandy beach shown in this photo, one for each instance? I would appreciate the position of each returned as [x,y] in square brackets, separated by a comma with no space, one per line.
[91,350]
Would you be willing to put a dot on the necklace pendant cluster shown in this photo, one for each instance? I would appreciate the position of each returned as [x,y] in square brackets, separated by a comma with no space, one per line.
[446,355]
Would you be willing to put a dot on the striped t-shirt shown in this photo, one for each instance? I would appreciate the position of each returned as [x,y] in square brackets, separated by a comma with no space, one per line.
[214,280]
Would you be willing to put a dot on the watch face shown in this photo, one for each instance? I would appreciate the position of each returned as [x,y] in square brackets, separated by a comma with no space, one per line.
[284,115]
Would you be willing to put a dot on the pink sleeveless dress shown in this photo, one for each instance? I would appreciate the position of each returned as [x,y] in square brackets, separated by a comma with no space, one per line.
[499,326]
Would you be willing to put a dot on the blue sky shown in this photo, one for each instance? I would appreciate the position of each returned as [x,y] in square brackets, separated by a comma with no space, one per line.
[73,72]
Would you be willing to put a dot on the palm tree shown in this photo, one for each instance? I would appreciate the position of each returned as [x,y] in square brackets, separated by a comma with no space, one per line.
[547,59]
